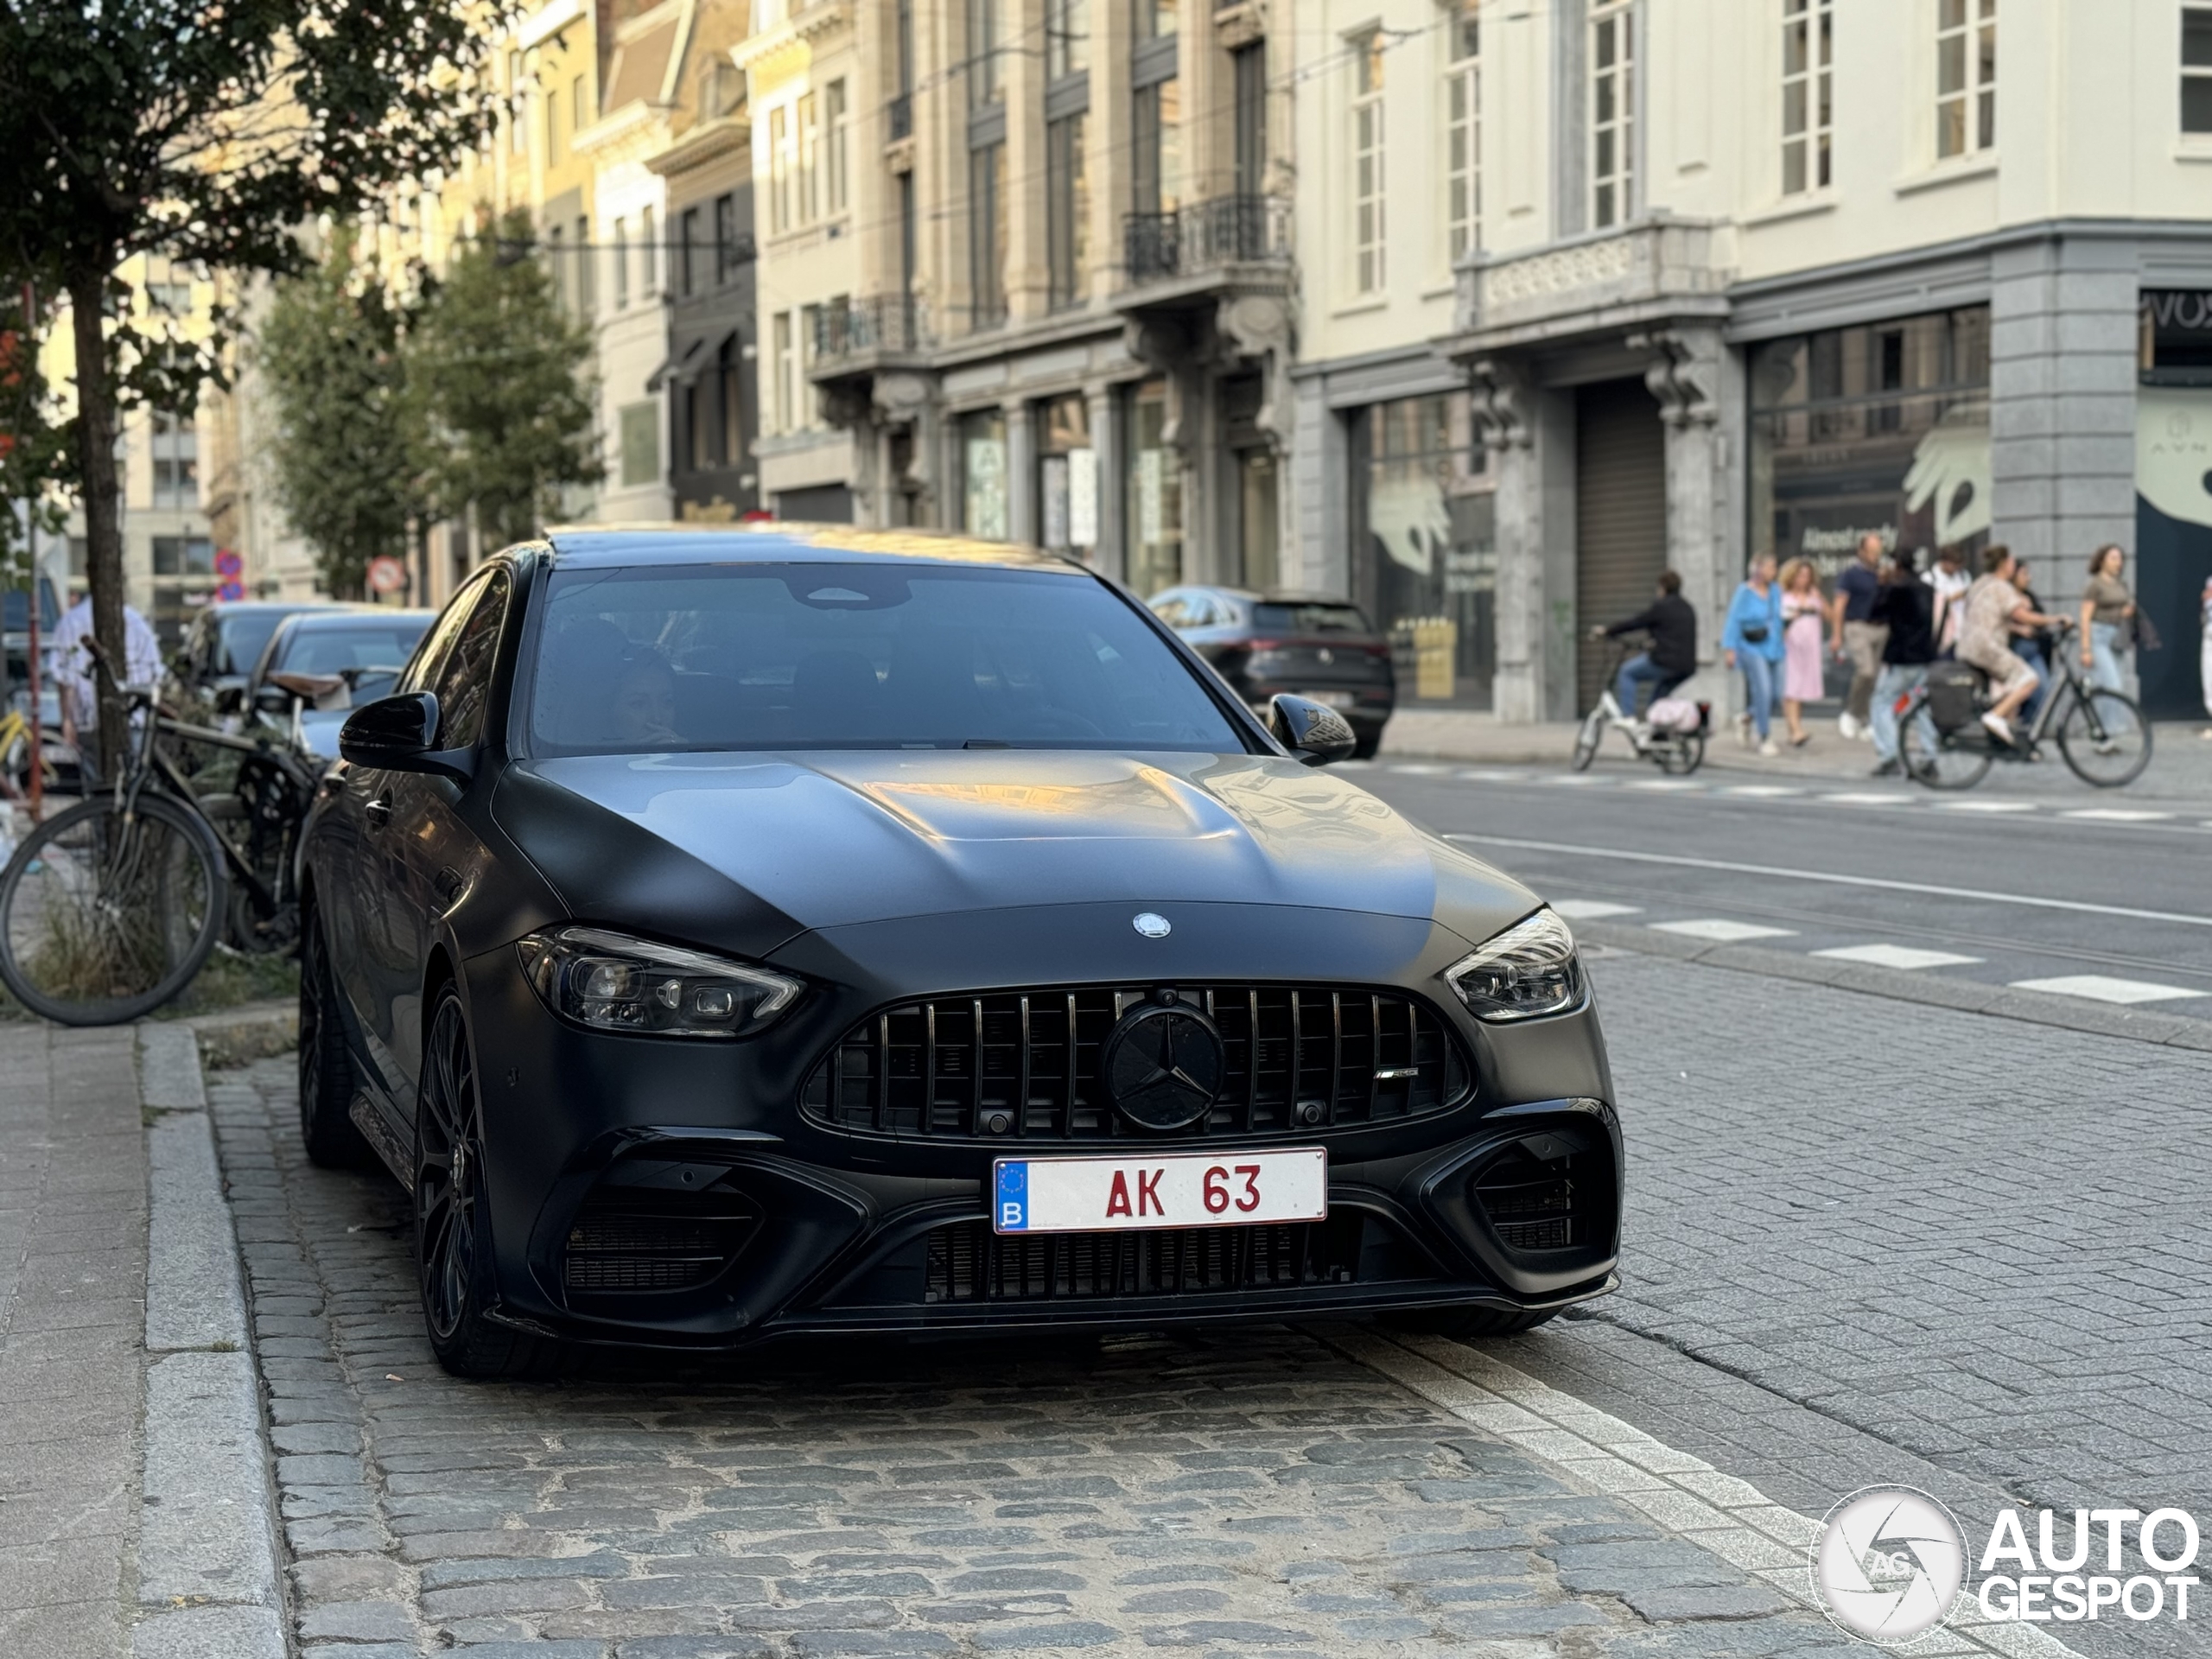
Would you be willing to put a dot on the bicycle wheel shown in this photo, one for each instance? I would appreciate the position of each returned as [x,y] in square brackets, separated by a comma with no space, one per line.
[1682,754]
[103,919]
[1586,741]
[2105,739]
[1930,757]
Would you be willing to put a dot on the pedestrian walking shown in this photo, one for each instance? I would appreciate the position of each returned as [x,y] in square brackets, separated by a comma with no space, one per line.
[1857,635]
[1904,606]
[1751,639]
[70,666]
[1671,657]
[2204,650]
[1803,611]
[1950,581]
[2108,621]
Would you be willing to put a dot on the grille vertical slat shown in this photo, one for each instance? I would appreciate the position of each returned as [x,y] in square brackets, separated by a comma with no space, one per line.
[966,1262]
[1033,1058]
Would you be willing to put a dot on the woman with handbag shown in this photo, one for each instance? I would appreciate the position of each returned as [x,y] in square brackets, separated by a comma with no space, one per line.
[2108,620]
[1752,641]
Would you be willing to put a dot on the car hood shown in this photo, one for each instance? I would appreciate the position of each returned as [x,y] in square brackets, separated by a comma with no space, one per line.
[756,844]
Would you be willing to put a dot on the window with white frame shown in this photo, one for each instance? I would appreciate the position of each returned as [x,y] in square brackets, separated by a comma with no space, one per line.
[810,159]
[518,105]
[176,460]
[1966,76]
[622,264]
[1462,133]
[786,371]
[780,168]
[649,252]
[1807,101]
[1367,165]
[2197,69]
[1612,113]
[834,121]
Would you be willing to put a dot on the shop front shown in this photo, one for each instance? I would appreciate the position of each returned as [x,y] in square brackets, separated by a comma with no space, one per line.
[2173,504]
[1153,513]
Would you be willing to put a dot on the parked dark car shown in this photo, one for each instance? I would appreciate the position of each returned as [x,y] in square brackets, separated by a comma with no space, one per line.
[730,934]
[328,663]
[209,669]
[1303,644]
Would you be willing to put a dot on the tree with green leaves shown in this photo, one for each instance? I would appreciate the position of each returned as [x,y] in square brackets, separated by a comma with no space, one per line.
[344,455]
[209,134]
[497,369]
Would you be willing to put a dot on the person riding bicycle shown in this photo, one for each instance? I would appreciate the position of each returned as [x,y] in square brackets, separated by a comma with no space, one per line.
[1994,608]
[1672,657]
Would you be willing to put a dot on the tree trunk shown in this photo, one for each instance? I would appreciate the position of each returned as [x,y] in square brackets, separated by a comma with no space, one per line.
[103,518]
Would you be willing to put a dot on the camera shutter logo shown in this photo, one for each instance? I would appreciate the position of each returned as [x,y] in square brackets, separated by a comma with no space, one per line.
[1889,1563]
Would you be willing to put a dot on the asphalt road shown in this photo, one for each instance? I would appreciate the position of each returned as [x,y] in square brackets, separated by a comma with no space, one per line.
[2016,886]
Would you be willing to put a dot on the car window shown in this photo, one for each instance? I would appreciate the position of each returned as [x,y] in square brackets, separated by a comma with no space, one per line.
[239,641]
[463,682]
[422,668]
[855,656]
[1309,619]
[1174,609]
[358,645]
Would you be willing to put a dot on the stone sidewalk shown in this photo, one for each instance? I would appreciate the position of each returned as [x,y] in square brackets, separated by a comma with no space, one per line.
[73,1287]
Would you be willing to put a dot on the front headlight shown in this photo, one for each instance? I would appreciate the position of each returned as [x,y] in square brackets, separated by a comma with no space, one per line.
[611,981]
[1529,970]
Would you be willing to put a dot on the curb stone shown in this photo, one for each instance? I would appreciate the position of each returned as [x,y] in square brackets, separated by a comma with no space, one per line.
[1685,1495]
[207,1559]
[1901,985]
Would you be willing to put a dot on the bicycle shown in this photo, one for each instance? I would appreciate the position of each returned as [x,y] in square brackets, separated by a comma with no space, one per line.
[20,741]
[108,908]
[1676,752]
[2101,734]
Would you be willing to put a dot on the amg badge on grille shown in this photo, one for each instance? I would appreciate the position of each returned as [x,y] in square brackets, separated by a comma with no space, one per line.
[1151,926]
[1162,1065]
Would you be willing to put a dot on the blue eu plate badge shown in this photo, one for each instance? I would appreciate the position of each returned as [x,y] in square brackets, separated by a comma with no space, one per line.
[1010,1196]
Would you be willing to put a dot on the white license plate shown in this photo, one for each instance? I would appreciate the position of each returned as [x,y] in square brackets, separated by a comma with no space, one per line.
[1332,699]
[1179,1189]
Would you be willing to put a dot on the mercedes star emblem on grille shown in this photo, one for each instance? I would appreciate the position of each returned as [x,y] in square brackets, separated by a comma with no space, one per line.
[1152,926]
[1162,1065]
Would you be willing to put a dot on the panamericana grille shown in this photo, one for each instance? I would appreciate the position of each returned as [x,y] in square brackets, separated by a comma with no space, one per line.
[1025,1063]
[649,1239]
[968,1262]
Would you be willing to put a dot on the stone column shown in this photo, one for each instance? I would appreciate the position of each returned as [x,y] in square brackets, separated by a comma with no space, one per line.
[1111,556]
[1501,394]
[1021,523]
[1685,374]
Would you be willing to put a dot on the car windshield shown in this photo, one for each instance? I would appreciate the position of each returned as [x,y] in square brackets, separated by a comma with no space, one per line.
[1308,618]
[855,656]
[358,645]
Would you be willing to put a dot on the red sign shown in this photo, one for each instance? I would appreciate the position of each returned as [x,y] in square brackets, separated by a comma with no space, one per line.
[386,575]
[228,565]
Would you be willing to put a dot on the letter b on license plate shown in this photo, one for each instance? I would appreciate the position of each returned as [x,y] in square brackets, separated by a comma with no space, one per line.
[1089,1195]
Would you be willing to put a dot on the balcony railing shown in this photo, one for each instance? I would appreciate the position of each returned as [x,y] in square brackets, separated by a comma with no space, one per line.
[881,322]
[1205,236]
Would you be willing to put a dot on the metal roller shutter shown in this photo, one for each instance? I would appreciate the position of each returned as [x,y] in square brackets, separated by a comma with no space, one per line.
[1620,515]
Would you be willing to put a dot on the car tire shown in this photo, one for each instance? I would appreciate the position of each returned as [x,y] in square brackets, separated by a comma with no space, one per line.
[453,1257]
[1470,1321]
[328,1080]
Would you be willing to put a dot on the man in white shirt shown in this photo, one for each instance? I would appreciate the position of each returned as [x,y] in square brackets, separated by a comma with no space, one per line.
[70,666]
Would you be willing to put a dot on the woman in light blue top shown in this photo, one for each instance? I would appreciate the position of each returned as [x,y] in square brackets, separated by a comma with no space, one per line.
[1752,639]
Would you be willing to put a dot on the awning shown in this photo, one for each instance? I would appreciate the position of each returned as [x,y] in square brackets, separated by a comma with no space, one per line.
[674,364]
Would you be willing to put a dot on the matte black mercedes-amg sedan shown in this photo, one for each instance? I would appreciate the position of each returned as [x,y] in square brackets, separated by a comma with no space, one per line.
[729,934]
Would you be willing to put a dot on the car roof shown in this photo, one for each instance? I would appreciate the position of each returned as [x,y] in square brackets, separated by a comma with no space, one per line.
[1272,596]
[339,617]
[224,609]
[605,546]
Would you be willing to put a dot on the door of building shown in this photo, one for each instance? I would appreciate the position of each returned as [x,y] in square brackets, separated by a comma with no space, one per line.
[1620,515]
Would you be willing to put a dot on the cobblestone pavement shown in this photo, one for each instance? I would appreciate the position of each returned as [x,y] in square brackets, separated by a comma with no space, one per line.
[1869,1241]
[1252,1492]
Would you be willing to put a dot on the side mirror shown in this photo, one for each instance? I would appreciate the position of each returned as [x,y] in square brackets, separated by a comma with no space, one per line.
[395,734]
[228,696]
[273,699]
[1313,732]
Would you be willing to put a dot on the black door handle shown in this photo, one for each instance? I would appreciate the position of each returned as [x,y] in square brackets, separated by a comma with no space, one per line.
[377,811]
[447,884]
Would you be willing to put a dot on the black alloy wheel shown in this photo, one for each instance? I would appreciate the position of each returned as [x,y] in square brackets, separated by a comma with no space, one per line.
[327,1080]
[452,1236]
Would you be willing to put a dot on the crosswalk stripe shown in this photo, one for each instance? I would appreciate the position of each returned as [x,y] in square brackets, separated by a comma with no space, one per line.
[1895,956]
[2117,815]
[1985,806]
[1861,798]
[1723,930]
[1593,909]
[1665,783]
[1762,791]
[2101,987]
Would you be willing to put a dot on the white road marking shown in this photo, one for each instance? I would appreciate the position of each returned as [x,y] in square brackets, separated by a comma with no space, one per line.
[1685,1495]
[1421,769]
[1573,779]
[1720,929]
[1762,791]
[1665,783]
[1985,807]
[1867,798]
[1895,956]
[2101,987]
[1593,909]
[2117,815]
[1830,878]
[1488,776]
